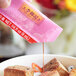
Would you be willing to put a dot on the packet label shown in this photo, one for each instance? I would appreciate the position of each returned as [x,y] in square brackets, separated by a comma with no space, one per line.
[31,13]
[29,22]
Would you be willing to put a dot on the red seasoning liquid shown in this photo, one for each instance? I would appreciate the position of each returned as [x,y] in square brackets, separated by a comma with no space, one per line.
[43,56]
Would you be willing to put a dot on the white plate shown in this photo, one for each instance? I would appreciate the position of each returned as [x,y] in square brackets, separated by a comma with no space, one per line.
[38,59]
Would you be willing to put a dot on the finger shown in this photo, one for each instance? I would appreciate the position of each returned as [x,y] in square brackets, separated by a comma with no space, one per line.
[5,3]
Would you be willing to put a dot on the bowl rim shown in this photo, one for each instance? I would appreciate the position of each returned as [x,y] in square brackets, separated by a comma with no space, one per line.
[36,55]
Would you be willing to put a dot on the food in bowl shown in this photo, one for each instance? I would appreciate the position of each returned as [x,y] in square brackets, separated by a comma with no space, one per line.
[50,73]
[54,64]
[52,68]
[73,72]
[18,71]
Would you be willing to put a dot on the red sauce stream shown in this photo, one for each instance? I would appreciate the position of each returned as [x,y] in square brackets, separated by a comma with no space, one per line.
[43,56]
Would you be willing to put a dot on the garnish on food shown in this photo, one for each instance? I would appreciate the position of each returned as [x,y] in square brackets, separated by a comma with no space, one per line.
[36,68]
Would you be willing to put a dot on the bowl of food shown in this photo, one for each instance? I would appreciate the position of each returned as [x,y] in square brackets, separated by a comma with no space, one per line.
[32,65]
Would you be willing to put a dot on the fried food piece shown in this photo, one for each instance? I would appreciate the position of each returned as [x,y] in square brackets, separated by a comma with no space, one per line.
[18,71]
[50,73]
[73,72]
[54,64]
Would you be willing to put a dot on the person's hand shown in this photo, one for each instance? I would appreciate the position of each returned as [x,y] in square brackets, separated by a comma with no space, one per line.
[5,3]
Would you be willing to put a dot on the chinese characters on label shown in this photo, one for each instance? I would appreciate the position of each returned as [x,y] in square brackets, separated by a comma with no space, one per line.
[31,13]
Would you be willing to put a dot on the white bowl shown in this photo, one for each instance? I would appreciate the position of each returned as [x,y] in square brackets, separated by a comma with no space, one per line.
[38,59]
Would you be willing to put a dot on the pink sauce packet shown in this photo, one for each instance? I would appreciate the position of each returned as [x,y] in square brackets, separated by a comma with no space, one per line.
[29,22]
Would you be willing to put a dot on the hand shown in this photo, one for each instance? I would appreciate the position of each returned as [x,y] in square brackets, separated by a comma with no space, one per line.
[5,3]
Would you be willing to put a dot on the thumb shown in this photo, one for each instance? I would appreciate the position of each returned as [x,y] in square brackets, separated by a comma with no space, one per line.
[5,3]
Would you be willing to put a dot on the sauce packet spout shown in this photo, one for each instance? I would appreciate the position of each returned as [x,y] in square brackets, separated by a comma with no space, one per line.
[29,22]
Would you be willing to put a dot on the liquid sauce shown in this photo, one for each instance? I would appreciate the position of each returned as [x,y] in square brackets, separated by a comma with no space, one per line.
[43,56]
